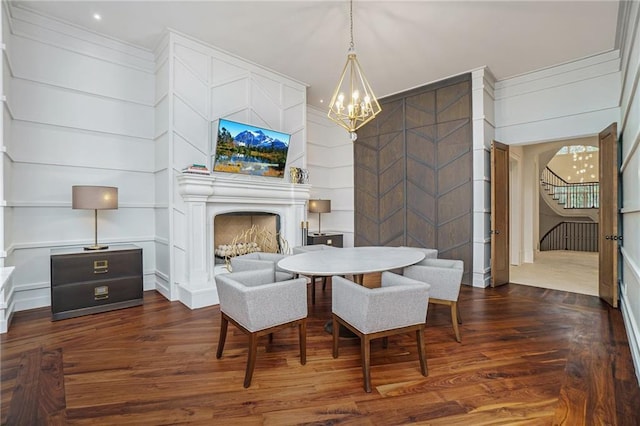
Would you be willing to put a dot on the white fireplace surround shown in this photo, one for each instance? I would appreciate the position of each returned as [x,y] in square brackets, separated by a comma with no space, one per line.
[207,196]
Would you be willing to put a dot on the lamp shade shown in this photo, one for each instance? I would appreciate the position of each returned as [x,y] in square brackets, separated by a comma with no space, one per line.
[320,206]
[94,197]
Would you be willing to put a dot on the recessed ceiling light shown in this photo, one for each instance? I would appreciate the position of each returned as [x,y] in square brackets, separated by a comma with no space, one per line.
[97,16]
[321,101]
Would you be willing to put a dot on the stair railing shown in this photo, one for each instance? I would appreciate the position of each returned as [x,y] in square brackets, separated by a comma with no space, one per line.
[576,236]
[571,195]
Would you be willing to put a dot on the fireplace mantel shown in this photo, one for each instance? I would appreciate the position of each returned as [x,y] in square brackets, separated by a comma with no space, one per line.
[205,197]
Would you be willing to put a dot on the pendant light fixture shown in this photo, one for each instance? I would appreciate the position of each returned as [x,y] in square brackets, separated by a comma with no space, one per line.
[353,103]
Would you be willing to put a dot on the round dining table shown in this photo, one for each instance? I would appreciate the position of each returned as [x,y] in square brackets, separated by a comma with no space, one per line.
[356,261]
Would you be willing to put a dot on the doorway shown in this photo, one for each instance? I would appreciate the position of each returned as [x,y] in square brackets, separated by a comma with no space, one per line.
[531,218]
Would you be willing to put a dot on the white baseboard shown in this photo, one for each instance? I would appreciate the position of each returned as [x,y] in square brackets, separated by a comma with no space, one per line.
[198,298]
[633,335]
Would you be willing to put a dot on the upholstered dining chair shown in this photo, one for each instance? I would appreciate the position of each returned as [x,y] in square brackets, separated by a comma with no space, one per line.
[260,260]
[428,253]
[311,248]
[398,306]
[445,277]
[258,305]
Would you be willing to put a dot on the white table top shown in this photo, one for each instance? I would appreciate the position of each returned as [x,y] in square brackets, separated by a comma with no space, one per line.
[351,261]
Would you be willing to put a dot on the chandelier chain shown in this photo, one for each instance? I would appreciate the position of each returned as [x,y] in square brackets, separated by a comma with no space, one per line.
[351,45]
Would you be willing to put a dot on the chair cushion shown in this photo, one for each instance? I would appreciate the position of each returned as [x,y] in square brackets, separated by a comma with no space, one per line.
[400,302]
[254,301]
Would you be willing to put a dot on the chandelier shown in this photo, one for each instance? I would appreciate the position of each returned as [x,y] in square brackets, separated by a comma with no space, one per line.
[353,103]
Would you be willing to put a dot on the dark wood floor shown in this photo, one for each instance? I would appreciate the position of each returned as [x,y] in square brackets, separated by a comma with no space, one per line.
[528,356]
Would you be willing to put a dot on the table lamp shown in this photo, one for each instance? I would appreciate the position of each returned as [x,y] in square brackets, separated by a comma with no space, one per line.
[94,198]
[319,206]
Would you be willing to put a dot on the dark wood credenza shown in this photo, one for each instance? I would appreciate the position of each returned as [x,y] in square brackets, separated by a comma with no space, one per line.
[88,282]
[330,239]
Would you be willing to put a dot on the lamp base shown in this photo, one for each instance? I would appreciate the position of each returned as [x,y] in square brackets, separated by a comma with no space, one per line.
[96,247]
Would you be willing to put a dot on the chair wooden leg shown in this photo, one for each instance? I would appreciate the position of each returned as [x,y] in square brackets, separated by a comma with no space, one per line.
[302,337]
[224,323]
[365,349]
[421,354]
[458,311]
[454,320]
[251,361]
[335,331]
[324,283]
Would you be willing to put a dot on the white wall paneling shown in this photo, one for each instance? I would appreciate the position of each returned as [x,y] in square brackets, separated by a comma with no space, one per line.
[330,164]
[570,100]
[7,304]
[629,127]
[81,108]
[206,84]
[482,89]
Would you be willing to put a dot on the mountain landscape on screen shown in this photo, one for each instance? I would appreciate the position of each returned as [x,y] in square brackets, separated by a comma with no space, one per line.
[242,148]
[258,139]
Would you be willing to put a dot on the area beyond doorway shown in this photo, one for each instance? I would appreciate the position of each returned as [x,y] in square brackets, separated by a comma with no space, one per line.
[573,271]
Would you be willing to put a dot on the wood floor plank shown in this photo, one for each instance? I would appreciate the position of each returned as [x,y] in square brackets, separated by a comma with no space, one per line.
[528,356]
[24,402]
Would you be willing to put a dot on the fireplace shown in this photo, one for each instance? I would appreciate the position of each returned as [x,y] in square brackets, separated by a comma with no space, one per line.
[206,198]
[233,234]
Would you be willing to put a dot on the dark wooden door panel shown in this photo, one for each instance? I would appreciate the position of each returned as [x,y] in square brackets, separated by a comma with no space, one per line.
[413,172]
[453,102]
[499,214]
[391,119]
[608,251]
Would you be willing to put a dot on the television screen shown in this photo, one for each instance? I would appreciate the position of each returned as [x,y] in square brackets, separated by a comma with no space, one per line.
[250,150]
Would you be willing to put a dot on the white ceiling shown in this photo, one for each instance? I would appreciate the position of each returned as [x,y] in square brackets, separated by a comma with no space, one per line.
[400,44]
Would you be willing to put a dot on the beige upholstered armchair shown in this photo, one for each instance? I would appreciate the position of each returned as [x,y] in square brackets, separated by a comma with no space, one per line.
[398,306]
[260,260]
[445,277]
[311,248]
[257,305]
[428,253]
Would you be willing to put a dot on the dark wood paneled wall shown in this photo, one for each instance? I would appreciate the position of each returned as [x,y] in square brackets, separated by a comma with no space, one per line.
[413,172]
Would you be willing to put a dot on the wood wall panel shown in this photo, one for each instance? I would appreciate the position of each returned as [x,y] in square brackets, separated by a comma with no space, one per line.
[413,172]
[420,110]
[391,119]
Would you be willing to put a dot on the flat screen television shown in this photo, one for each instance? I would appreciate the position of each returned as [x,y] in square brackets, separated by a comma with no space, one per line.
[250,150]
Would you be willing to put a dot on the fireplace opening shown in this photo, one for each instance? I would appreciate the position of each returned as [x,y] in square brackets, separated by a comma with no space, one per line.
[238,233]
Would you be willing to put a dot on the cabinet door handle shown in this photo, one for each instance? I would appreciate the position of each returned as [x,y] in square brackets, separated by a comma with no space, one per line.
[100,266]
[101,293]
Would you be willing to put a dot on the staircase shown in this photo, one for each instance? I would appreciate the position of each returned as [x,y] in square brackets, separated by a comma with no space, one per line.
[571,199]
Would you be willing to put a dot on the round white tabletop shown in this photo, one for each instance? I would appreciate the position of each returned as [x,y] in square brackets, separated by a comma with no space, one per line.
[350,261]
